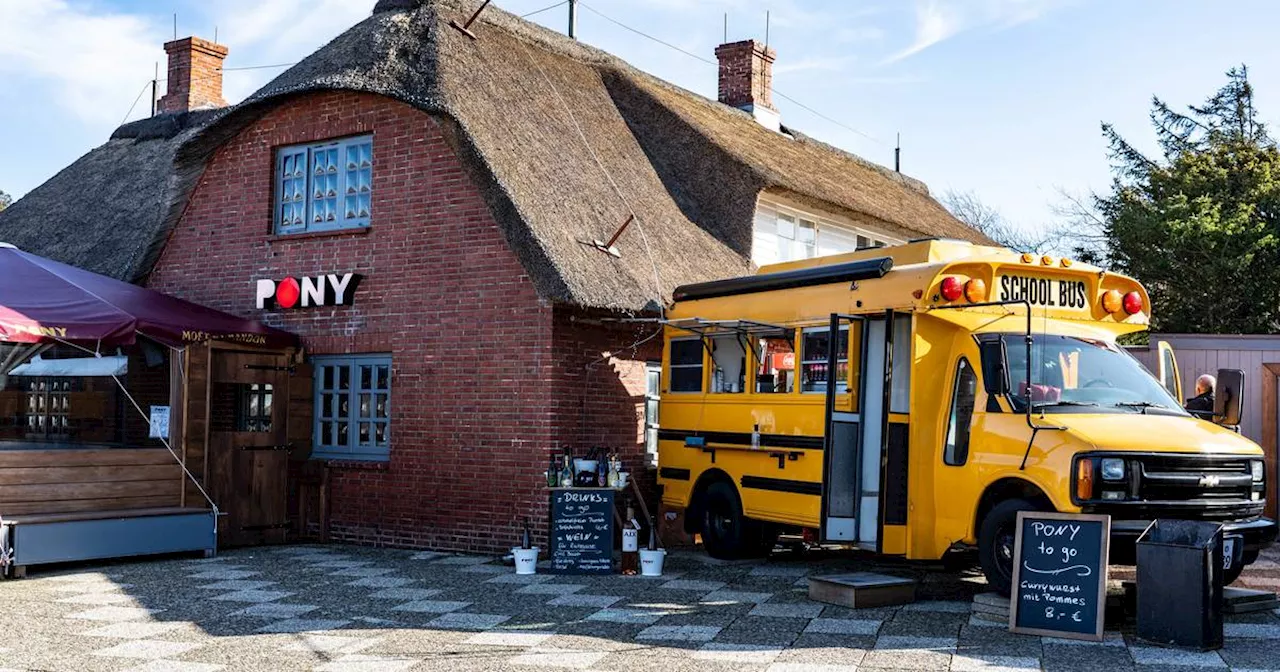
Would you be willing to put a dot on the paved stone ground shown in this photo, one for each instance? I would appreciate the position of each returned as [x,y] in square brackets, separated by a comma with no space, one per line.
[360,609]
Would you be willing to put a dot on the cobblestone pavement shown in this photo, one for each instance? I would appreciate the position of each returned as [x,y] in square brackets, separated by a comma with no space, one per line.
[361,609]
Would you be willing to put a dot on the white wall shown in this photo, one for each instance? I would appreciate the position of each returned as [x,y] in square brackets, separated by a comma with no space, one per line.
[835,233]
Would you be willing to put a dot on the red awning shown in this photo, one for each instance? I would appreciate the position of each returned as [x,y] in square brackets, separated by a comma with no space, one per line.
[43,301]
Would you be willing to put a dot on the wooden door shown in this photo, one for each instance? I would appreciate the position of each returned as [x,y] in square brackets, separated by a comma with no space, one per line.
[248,446]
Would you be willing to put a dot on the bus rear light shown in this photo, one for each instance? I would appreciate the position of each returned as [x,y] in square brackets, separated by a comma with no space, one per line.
[1066,263]
[1028,258]
[1111,301]
[1046,260]
[951,288]
[1133,303]
[1084,480]
[975,290]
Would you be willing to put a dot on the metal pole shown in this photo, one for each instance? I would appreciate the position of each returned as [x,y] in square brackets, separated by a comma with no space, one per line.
[573,19]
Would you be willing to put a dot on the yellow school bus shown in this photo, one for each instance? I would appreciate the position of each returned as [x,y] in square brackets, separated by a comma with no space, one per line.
[963,384]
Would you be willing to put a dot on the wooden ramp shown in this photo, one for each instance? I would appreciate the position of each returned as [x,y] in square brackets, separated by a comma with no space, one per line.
[860,590]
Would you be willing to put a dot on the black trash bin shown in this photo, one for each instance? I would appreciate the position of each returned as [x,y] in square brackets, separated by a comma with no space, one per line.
[1180,584]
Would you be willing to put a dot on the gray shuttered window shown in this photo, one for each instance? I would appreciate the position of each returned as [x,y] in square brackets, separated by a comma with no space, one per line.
[325,186]
[353,407]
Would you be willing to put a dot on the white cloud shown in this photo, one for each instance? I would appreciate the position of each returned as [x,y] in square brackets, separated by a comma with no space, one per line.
[93,61]
[96,63]
[939,20]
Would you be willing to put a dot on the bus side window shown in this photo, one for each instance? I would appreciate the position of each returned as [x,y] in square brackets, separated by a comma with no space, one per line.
[956,450]
[813,366]
[686,365]
[777,372]
[729,364]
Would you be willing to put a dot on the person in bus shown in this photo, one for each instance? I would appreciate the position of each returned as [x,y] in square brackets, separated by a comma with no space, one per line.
[1201,405]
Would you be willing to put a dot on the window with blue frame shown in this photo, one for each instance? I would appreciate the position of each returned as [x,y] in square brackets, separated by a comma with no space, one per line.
[326,186]
[353,407]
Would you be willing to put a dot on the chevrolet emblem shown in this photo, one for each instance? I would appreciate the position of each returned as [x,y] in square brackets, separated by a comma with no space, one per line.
[1209,481]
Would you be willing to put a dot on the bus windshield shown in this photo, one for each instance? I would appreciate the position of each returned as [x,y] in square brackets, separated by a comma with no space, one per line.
[1071,374]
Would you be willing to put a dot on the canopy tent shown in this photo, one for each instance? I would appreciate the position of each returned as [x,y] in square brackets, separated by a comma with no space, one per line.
[45,302]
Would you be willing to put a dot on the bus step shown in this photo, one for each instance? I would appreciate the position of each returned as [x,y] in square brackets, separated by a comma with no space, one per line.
[861,590]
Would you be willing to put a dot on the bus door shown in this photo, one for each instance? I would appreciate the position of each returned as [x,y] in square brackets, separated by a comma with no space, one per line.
[855,440]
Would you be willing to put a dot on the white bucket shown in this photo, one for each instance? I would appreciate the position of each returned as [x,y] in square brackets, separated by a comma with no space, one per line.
[651,561]
[526,560]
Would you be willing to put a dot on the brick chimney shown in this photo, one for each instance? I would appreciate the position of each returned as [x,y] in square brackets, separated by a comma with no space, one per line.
[746,79]
[195,75]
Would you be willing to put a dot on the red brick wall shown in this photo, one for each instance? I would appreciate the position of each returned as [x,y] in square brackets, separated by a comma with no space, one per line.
[600,387]
[469,337]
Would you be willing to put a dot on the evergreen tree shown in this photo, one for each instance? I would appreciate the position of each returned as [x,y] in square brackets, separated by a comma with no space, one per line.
[1199,225]
[5,200]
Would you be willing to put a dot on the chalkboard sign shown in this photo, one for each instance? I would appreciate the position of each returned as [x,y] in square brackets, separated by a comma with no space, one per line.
[1059,574]
[582,531]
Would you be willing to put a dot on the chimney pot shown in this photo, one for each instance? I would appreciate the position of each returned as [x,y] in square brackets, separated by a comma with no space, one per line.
[195,75]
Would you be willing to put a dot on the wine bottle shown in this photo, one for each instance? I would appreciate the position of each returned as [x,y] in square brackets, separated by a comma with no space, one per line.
[653,538]
[566,473]
[630,543]
[602,472]
[526,540]
[553,472]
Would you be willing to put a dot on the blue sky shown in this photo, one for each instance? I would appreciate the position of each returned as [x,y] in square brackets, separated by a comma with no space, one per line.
[1000,97]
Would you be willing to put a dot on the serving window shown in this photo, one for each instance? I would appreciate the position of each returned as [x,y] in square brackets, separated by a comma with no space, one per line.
[729,358]
[776,365]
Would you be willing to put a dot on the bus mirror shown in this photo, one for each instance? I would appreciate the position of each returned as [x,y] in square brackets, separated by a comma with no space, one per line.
[1228,399]
[995,379]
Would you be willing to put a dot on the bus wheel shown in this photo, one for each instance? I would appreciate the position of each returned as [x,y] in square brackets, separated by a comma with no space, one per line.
[727,534]
[1229,576]
[995,542]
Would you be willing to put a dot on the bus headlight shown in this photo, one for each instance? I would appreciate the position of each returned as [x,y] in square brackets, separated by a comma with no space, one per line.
[1255,468]
[1112,469]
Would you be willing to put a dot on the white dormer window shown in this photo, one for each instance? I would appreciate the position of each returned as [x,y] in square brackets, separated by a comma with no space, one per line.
[784,233]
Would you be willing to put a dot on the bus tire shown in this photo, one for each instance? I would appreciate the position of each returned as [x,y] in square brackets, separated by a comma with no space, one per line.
[727,534]
[1229,576]
[995,542]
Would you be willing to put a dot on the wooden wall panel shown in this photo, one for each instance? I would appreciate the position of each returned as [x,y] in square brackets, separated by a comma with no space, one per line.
[63,481]
[195,428]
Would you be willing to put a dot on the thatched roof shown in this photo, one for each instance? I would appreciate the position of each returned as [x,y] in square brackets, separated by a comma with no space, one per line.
[691,169]
[107,211]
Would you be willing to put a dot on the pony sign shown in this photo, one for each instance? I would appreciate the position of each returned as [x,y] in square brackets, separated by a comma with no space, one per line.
[312,292]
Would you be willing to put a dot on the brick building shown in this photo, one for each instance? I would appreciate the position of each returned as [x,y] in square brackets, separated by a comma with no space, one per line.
[474,186]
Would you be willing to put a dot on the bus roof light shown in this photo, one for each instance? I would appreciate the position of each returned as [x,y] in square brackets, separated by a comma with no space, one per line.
[1111,301]
[951,288]
[975,290]
[1133,303]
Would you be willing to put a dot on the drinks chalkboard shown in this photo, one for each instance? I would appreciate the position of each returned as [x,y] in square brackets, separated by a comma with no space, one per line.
[582,531]
[1059,574]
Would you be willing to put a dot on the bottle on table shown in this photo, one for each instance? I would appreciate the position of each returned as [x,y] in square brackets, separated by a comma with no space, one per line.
[553,472]
[566,473]
[630,543]
[602,472]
